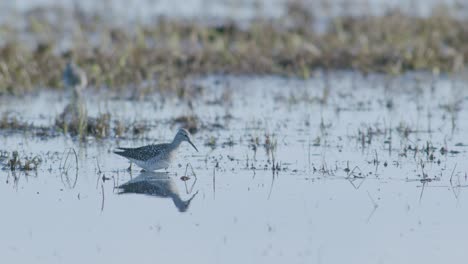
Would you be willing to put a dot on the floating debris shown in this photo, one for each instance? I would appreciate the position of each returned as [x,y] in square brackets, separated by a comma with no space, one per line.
[15,162]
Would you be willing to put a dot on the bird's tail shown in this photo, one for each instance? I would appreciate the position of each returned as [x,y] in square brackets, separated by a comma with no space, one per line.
[119,151]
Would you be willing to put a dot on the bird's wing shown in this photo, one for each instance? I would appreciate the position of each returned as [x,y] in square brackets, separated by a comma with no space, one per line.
[141,153]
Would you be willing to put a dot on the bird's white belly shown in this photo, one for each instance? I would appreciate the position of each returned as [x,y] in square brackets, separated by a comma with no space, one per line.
[153,164]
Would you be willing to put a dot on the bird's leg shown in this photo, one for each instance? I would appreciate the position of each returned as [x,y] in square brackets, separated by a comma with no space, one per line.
[130,167]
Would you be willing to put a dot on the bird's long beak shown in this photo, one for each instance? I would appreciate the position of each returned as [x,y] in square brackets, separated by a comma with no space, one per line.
[189,141]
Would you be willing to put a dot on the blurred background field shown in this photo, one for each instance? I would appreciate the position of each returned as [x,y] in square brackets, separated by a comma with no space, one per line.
[151,46]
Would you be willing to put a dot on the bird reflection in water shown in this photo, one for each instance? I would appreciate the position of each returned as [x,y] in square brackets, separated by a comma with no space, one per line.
[158,184]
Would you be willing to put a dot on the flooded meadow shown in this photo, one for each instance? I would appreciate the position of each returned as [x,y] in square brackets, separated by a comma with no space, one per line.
[370,167]
[323,131]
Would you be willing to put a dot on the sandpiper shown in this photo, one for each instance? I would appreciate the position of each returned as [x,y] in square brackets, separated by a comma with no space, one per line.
[74,116]
[156,157]
[74,78]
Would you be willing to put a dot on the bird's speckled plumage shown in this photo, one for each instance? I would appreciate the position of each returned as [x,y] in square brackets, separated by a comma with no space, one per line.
[155,157]
[74,78]
[144,153]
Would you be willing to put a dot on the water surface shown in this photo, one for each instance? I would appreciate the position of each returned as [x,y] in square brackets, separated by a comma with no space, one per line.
[369,170]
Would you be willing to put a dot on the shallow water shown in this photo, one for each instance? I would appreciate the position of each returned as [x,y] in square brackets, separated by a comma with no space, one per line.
[350,186]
